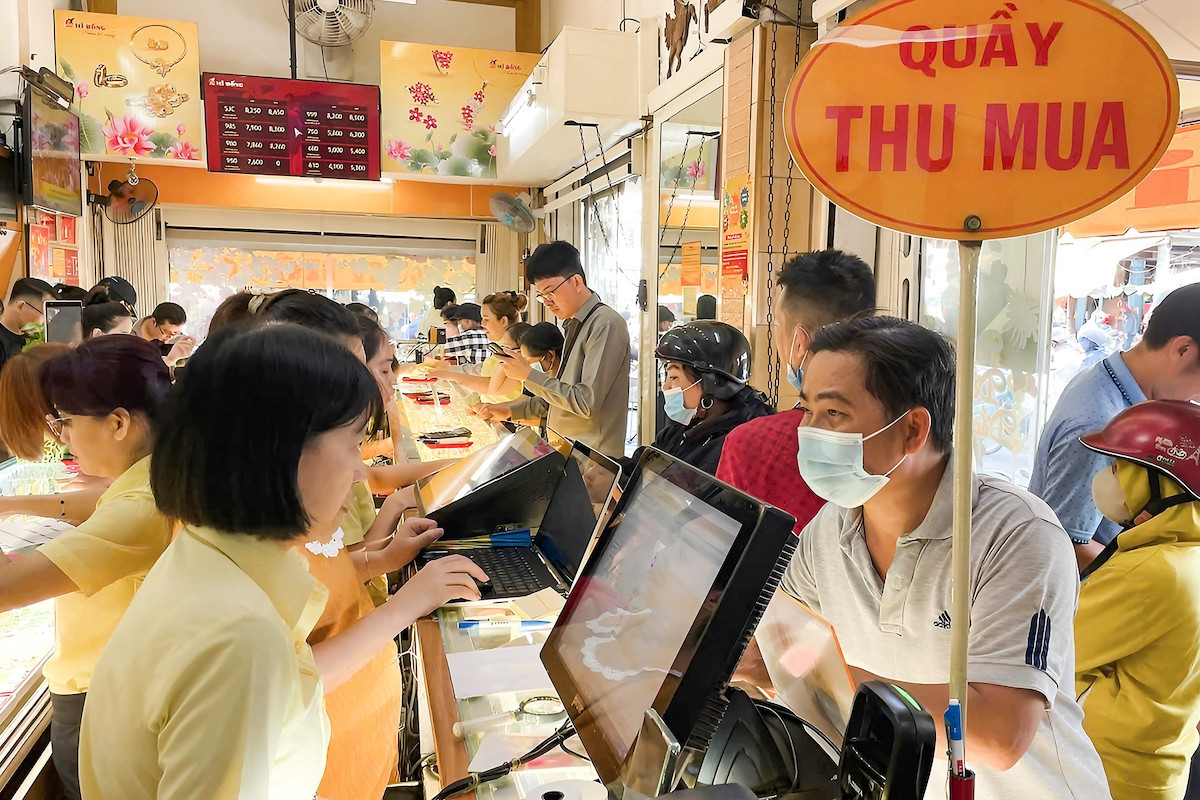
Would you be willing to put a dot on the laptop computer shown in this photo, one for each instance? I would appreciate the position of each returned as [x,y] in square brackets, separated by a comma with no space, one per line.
[562,540]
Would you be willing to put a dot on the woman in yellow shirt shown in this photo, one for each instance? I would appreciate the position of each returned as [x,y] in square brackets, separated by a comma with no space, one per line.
[209,688]
[353,641]
[105,398]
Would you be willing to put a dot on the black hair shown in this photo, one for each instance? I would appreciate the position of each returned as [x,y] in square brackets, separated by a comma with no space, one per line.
[827,286]
[542,339]
[372,335]
[706,307]
[553,260]
[1177,314]
[449,312]
[517,332]
[228,450]
[311,310]
[64,291]
[31,290]
[103,316]
[443,296]
[107,373]
[363,310]
[169,313]
[906,365]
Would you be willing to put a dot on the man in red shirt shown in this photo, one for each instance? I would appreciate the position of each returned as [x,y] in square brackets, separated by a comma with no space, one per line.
[759,457]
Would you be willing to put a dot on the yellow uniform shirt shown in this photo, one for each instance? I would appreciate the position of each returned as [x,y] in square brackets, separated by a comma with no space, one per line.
[107,557]
[488,370]
[208,690]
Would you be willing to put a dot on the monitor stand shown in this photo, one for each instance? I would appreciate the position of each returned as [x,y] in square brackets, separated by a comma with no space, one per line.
[651,769]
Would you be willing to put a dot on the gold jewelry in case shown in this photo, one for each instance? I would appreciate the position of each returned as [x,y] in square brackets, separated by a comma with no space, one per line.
[105,81]
[150,39]
[159,101]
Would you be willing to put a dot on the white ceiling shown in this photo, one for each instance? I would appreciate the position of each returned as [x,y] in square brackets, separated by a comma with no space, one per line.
[1176,26]
[1174,23]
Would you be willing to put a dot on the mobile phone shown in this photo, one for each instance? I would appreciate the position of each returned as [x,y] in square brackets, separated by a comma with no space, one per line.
[64,321]
[497,349]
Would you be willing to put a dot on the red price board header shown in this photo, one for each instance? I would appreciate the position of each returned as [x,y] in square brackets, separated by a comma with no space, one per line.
[274,126]
[981,119]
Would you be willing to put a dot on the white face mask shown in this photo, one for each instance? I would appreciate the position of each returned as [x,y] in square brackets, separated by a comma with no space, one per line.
[537,366]
[831,463]
[1109,497]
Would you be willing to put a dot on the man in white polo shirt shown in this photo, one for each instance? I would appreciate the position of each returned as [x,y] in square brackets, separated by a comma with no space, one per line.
[878,396]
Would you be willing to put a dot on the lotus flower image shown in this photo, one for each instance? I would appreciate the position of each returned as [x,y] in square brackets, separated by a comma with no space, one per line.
[398,151]
[128,136]
[185,151]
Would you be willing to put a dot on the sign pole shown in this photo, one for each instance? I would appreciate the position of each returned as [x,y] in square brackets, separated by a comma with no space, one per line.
[968,260]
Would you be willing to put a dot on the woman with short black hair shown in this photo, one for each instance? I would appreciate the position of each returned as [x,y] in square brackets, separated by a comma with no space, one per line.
[210,688]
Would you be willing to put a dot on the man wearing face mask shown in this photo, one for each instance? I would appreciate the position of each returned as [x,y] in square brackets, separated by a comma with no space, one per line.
[878,395]
[706,393]
[1137,668]
[814,289]
[1164,365]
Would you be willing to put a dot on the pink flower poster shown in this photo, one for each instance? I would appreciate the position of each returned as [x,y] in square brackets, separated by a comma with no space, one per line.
[137,86]
[441,105]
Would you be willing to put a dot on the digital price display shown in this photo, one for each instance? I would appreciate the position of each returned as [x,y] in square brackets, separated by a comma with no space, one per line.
[275,126]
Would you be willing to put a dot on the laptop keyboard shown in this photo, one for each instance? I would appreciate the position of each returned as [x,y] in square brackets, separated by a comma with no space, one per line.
[509,569]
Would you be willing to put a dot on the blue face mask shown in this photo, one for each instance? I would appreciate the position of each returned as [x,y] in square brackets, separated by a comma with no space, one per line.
[673,403]
[795,374]
[831,463]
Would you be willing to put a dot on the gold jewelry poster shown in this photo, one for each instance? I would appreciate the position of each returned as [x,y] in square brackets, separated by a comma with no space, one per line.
[137,86]
[441,106]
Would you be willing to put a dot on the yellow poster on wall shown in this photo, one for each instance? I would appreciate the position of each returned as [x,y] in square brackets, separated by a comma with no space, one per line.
[441,105]
[137,86]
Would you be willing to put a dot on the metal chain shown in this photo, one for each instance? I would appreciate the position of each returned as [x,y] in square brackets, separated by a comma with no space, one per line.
[787,197]
[687,138]
[598,215]
[772,356]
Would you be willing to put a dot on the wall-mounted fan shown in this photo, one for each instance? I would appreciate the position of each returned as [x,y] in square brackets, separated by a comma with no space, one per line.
[128,200]
[332,23]
[513,212]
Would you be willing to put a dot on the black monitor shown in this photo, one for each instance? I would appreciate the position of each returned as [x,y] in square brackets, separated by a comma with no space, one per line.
[575,509]
[663,608]
[478,469]
[507,484]
[52,174]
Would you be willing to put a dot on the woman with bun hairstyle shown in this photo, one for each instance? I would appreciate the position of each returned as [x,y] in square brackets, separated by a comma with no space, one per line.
[500,311]
[103,318]
[104,399]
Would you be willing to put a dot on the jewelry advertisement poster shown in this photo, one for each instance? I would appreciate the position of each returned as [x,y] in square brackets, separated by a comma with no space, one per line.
[441,106]
[137,86]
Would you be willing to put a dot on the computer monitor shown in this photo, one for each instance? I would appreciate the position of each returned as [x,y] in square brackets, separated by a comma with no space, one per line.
[663,608]
[485,465]
[575,509]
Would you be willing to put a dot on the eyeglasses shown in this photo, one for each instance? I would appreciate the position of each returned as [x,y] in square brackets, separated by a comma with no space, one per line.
[55,424]
[541,296]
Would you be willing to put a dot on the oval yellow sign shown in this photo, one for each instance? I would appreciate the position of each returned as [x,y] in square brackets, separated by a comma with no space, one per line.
[969,120]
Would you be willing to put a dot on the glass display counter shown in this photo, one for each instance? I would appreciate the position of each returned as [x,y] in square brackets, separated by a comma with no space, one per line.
[422,418]
[440,710]
[26,638]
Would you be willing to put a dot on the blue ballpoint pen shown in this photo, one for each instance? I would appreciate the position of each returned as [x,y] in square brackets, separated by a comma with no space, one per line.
[519,624]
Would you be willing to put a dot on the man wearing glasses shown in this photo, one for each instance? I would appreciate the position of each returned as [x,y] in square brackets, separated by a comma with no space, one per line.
[24,307]
[588,399]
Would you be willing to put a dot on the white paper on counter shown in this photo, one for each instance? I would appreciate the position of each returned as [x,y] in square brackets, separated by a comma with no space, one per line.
[478,673]
[18,536]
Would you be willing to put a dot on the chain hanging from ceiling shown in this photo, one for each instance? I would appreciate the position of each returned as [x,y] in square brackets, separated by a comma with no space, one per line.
[773,357]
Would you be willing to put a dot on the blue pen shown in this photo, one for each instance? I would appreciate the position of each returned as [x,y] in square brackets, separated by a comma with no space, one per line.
[954,735]
[519,624]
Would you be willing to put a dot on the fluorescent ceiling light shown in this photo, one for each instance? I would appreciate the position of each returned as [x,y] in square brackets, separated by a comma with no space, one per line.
[296,180]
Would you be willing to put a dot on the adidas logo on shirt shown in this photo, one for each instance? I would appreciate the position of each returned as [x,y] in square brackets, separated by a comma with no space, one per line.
[943,621]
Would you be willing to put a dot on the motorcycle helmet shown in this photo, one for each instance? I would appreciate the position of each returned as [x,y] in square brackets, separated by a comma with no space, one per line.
[718,352]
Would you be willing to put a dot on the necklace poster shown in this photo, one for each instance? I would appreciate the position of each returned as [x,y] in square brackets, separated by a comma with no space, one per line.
[441,105]
[137,86]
